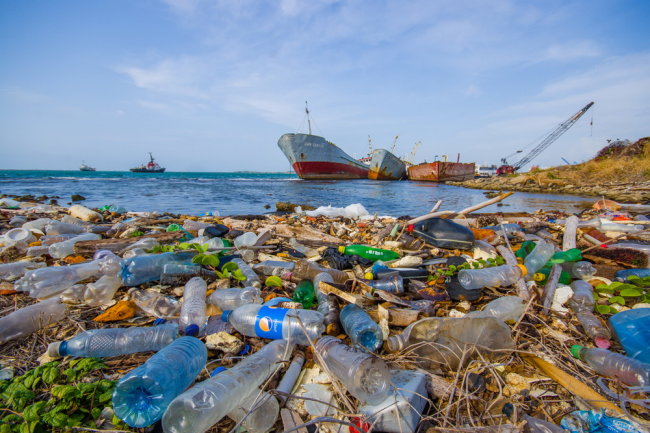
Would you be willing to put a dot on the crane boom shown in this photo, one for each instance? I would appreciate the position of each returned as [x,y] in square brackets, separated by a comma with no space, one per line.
[546,142]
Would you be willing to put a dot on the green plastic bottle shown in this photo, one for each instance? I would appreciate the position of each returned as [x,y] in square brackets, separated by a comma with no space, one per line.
[572,255]
[525,249]
[304,294]
[542,275]
[369,253]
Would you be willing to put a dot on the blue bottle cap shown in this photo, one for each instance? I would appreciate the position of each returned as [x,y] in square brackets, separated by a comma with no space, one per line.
[159,321]
[192,330]
[218,370]
[225,315]
[245,350]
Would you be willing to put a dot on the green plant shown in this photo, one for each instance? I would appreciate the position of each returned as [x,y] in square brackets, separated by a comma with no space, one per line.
[476,264]
[136,233]
[55,397]
[229,270]
[201,248]
[636,290]
[211,260]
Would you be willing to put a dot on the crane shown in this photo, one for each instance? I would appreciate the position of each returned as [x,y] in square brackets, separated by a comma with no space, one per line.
[546,142]
[409,159]
[392,148]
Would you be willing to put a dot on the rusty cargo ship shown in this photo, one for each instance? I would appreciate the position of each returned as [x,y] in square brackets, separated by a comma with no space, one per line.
[386,166]
[441,171]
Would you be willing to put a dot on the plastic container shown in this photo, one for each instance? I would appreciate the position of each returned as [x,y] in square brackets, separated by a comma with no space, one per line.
[405,273]
[327,305]
[304,294]
[306,270]
[194,226]
[141,397]
[9,271]
[391,282]
[276,323]
[175,274]
[273,267]
[362,374]
[229,299]
[101,292]
[143,269]
[538,257]
[193,317]
[443,233]
[506,308]
[541,276]
[25,321]
[498,276]
[583,297]
[84,214]
[37,224]
[630,371]
[632,329]
[247,239]
[251,277]
[580,269]
[155,304]
[361,329]
[64,249]
[369,253]
[203,405]
[18,237]
[102,343]
[61,228]
[216,230]
[48,240]
[570,229]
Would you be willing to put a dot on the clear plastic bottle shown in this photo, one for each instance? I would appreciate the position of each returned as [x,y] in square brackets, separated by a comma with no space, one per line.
[276,323]
[144,243]
[60,228]
[583,297]
[194,226]
[537,258]
[273,267]
[290,376]
[143,269]
[247,239]
[570,228]
[37,224]
[364,375]
[327,305]
[251,277]
[203,405]
[64,249]
[628,370]
[27,320]
[231,298]
[498,276]
[581,269]
[141,397]
[361,329]
[175,274]
[101,292]
[14,270]
[369,253]
[306,270]
[48,240]
[632,330]
[37,251]
[102,343]
[156,304]
[193,317]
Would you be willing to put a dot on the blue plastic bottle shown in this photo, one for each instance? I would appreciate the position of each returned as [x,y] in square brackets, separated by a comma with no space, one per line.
[632,328]
[361,329]
[143,269]
[624,274]
[142,396]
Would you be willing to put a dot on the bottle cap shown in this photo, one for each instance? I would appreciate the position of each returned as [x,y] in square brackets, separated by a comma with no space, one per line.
[341,249]
[159,321]
[524,271]
[192,330]
[575,351]
[368,276]
[538,276]
[225,315]
[217,370]
[53,349]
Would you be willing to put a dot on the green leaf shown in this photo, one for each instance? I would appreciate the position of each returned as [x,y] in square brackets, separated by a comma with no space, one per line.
[617,300]
[64,391]
[32,413]
[238,275]
[632,292]
[105,397]
[59,420]
[273,281]
[95,412]
[615,285]
[230,266]
[51,375]
[604,309]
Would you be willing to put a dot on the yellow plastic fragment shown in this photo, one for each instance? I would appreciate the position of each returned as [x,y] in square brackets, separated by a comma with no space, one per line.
[121,311]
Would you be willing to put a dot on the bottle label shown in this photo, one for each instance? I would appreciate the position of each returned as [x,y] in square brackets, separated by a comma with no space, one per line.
[268,323]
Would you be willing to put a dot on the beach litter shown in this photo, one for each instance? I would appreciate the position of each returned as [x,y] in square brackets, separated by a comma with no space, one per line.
[327,318]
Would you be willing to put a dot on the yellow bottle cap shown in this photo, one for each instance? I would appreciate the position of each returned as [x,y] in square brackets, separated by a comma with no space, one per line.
[341,249]
[539,277]
[524,271]
[368,276]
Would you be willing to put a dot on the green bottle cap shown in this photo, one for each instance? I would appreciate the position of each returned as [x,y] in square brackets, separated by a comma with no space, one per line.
[575,350]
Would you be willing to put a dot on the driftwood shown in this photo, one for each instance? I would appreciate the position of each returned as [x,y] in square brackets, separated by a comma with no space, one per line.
[451,214]
[89,247]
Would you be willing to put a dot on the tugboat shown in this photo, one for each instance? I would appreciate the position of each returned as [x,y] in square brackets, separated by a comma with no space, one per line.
[85,167]
[151,167]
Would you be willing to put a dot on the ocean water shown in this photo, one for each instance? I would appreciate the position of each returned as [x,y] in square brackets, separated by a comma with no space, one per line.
[256,193]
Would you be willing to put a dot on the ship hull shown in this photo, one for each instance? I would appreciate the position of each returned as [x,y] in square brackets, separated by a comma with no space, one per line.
[386,166]
[144,170]
[441,171]
[312,157]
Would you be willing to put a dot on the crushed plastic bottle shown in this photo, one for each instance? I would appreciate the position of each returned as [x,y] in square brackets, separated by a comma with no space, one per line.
[27,320]
[193,317]
[251,277]
[65,248]
[231,298]
[306,270]
[581,269]
[632,331]
[304,294]
[361,329]
[203,405]
[61,228]
[273,267]
[363,375]
[498,276]
[175,274]
[276,323]
[101,292]
[538,257]
[10,271]
[156,304]
[630,371]
[582,303]
[143,269]
[142,396]
[327,305]
[506,308]
[102,343]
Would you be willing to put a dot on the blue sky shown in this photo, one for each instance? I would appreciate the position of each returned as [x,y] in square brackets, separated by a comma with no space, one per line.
[211,85]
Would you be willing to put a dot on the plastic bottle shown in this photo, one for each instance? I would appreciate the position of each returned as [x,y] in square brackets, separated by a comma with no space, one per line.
[541,276]
[64,249]
[327,305]
[84,213]
[624,274]
[364,375]
[405,273]
[628,370]
[247,239]
[141,397]
[178,273]
[304,294]
[361,329]
[498,276]
[194,226]
[506,308]
[273,267]
[583,297]
[60,228]
[106,342]
[155,304]
[37,224]
[229,299]
[369,253]
[17,237]
[443,233]
[193,317]
[251,277]
[13,270]
[142,269]
[27,320]
[101,292]
[306,270]
[203,405]
[632,329]
[391,282]
[276,323]
[48,240]
[525,248]
[290,377]
[572,255]
[569,238]
[538,258]
[581,269]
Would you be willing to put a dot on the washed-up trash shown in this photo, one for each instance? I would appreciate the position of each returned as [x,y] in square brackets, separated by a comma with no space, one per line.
[361,329]
[443,233]
[352,211]
[584,421]
[193,317]
[632,329]
[611,364]
[30,319]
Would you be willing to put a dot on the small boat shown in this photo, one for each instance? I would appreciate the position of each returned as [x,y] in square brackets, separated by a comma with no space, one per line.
[313,157]
[151,167]
[386,166]
[85,167]
[442,171]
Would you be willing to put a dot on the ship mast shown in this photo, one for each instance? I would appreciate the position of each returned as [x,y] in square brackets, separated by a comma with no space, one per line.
[308,121]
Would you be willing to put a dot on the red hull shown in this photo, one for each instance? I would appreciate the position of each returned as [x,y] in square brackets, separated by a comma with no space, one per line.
[328,170]
[440,171]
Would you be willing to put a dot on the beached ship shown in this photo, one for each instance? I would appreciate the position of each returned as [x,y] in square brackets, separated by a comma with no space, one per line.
[313,157]
[84,167]
[151,167]
[386,166]
[441,171]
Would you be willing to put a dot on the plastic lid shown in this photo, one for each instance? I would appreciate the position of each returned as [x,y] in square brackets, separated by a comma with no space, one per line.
[368,276]
[539,277]
[575,350]
[192,330]
[225,315]
[53,349]
[524,271]
[341,249]
[218,370]
[159,321]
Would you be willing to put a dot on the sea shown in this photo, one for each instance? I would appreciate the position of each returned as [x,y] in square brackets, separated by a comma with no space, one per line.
[241,193]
